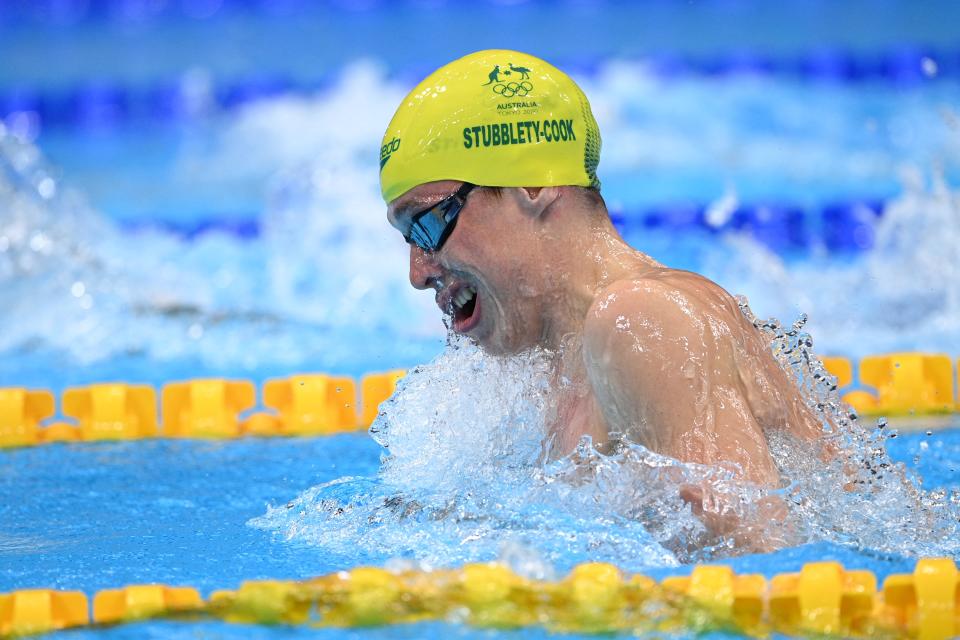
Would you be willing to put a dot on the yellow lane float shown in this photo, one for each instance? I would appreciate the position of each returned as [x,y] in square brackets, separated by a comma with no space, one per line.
[312,405]
[33,611]
[898,384]
[906,384]
[822,599]
[376,388]
[205,408]
[139,601]
[21,411]
[113,411]
[322,404]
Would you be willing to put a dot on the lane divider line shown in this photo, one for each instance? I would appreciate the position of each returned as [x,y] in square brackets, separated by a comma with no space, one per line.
[897,384]
[822,599]
[300,405]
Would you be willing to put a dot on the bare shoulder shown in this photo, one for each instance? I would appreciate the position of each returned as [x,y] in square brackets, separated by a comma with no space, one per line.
[658,304]
[657,348]
[670,352]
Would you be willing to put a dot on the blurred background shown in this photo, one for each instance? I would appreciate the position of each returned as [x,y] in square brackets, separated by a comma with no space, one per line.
[189,188]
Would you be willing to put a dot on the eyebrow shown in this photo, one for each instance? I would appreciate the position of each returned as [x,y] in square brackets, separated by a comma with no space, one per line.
[416,205]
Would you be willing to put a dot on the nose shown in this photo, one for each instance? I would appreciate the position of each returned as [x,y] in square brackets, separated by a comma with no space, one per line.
[424,268]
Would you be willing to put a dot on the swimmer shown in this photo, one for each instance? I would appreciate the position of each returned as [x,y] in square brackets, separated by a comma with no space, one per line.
[494,186]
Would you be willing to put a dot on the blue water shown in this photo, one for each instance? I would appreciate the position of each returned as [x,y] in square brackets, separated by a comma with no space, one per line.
[298,42]
[99,516]
[172,251]
[91,517]
[95,516]
[662,151]
[175,205]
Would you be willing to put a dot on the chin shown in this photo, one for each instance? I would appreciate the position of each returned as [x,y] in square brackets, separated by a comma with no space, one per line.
[489,344]
[497,347]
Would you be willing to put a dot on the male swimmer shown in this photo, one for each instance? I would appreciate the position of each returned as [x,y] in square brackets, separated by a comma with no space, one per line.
[491,178]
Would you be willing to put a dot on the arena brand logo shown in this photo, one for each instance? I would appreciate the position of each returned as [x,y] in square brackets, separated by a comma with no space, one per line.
[519,87]
[387,150]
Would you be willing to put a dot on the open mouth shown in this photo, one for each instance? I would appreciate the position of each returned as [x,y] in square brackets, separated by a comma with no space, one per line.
[465,309]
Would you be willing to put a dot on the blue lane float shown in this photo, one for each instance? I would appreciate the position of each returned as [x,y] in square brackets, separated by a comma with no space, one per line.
[841,227]
[838,227]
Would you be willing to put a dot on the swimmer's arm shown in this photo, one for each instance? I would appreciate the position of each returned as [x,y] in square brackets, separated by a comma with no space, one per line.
[660,361]
[660,365]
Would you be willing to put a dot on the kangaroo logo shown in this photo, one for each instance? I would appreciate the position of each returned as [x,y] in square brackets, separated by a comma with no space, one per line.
[509,88]
[494,76]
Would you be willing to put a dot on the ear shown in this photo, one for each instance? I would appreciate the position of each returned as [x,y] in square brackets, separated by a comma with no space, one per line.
[534,201]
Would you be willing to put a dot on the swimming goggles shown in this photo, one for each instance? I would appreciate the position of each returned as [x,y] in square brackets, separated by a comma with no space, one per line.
[430,228]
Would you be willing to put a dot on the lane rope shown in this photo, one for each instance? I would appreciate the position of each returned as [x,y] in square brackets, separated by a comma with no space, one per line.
[899,384]
[821,599]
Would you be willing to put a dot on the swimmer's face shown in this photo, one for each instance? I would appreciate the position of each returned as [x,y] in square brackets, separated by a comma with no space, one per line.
[486,275]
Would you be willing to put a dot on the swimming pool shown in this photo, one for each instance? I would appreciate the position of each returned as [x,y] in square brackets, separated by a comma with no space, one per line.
[93,516]
[246,239]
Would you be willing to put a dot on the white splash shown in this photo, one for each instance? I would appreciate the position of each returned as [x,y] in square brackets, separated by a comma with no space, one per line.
[904,294]
[463,478]
[326,282]
[323,283]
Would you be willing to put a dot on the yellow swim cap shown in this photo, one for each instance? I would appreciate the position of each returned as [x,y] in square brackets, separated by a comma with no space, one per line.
[496,118]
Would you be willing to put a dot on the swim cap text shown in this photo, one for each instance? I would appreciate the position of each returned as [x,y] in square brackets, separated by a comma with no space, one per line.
[494,135]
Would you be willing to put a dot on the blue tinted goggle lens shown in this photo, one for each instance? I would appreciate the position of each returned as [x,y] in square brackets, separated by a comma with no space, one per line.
[427,231]
[430,228]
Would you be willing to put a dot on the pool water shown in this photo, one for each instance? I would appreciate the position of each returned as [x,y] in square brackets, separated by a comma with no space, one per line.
[95,516]
[165,221]
[98,515]
[153,284]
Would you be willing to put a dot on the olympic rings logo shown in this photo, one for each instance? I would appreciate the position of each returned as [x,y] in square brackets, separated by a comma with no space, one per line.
[513,89]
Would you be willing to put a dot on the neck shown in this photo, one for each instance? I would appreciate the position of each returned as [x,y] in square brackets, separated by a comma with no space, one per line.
[586,260]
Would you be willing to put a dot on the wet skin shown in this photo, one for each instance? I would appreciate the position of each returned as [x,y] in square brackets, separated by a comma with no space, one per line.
[658,356]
